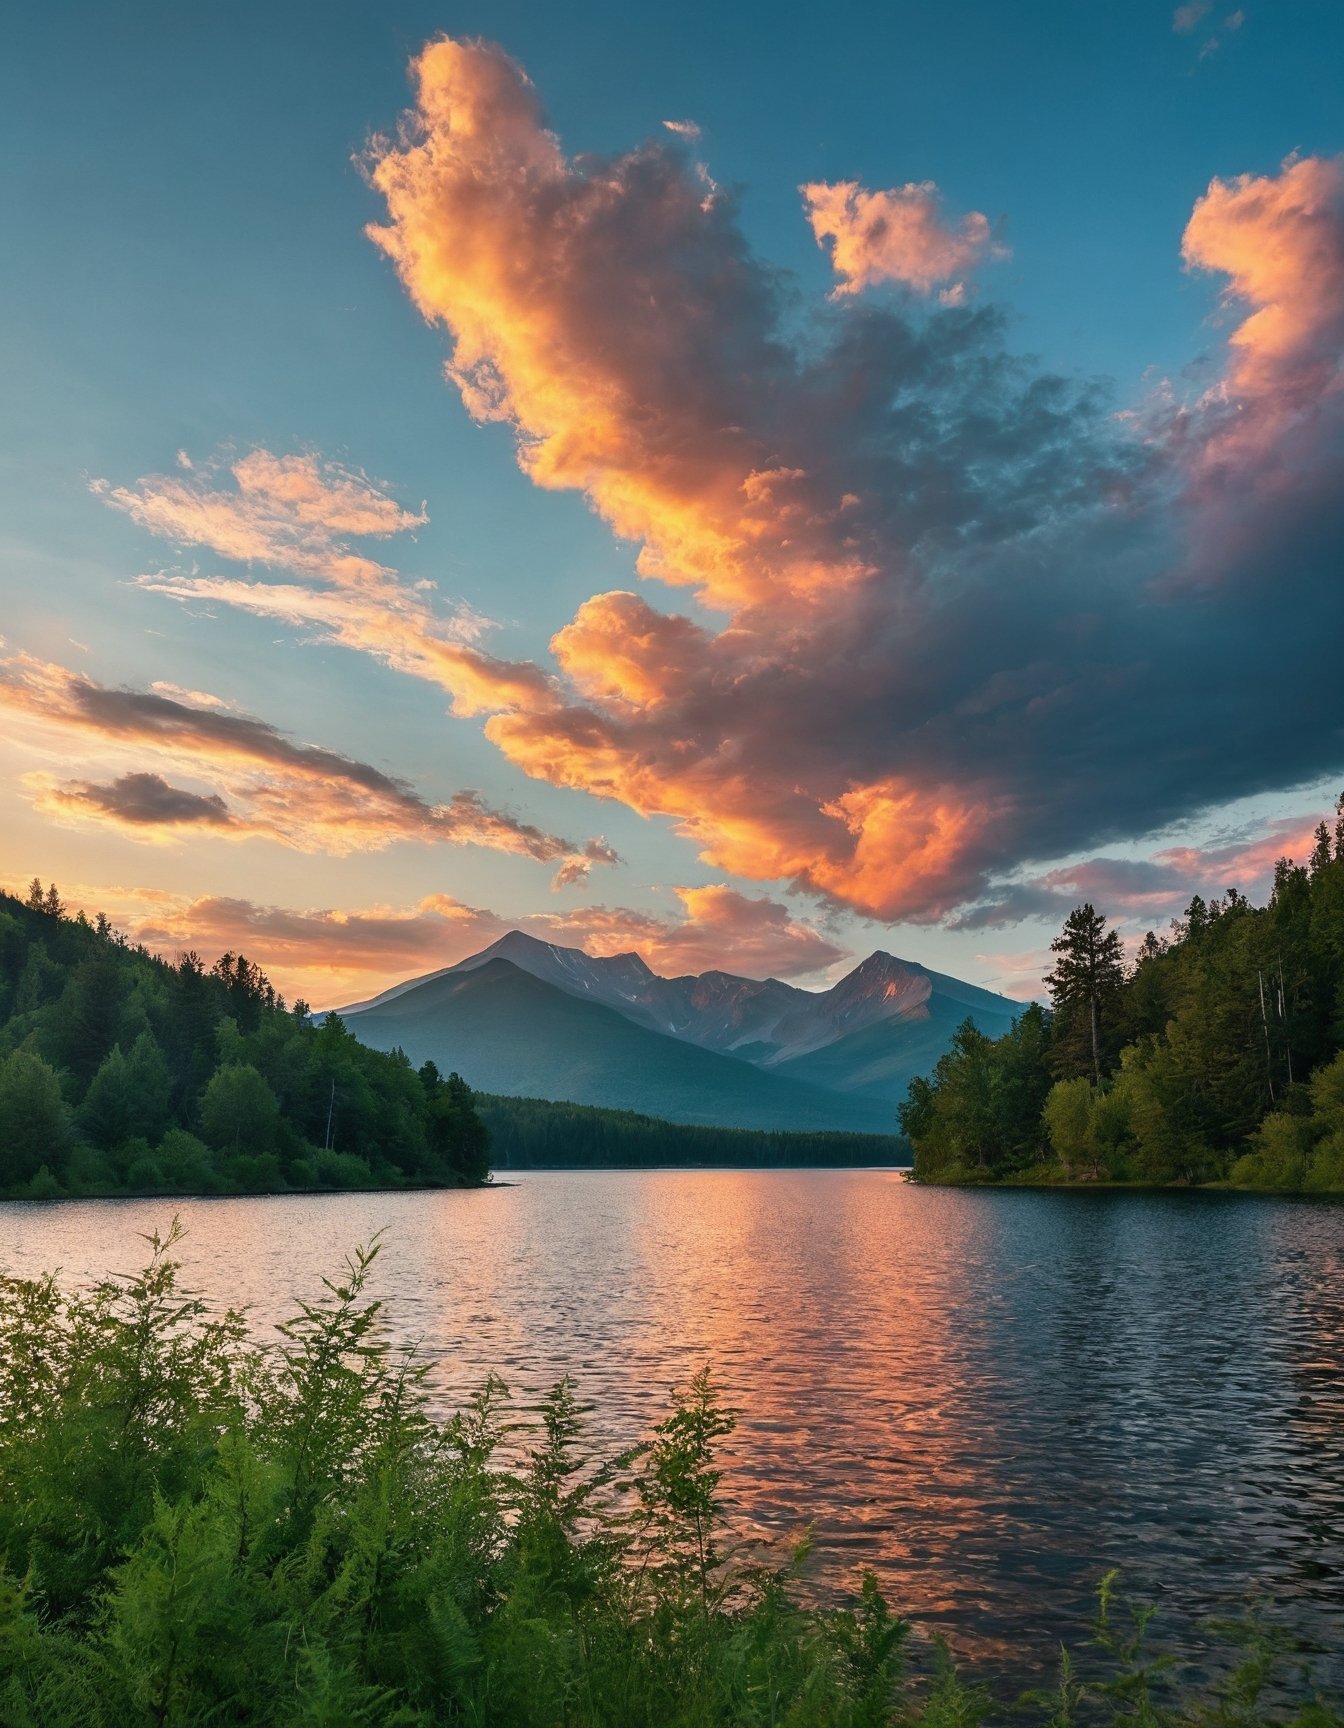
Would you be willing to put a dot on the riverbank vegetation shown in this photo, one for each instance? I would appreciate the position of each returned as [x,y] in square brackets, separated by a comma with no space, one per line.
[1216,1056]
[121,1073]
[536,1134]
[195,1528]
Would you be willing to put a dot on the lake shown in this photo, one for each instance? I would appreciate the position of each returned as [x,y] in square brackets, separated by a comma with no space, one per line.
[988,1397]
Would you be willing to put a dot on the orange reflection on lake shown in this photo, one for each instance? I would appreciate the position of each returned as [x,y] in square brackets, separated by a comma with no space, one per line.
[989,1398]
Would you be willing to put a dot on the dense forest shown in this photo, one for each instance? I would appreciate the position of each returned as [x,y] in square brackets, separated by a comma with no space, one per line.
[121,1073]
[1215,1056]
[535,1134]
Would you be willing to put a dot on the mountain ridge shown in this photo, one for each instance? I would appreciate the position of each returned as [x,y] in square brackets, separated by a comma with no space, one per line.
[852,1048]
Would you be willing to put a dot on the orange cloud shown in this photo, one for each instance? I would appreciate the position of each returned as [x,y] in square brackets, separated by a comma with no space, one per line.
[1279,239]
[329,954]
[720,929]
[566,296]
[897,235]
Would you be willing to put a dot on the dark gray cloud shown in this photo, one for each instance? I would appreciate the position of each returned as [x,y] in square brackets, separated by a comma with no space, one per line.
[147,800]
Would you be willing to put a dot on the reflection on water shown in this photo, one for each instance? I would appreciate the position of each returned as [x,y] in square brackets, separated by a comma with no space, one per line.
[989,1397]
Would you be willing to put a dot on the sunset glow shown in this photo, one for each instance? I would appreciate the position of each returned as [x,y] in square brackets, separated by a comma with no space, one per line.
[658,542]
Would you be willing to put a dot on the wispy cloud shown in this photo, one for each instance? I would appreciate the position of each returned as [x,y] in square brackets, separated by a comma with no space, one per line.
[261,782]
[1186,18]
[1146,893]
[298,514]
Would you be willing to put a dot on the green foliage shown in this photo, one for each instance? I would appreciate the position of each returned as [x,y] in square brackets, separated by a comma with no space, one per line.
[120,1073]
[1068,1122]
[539,1134]
[33,1118]
[200,1529]
[979,1115]
[238,1111]
[1303,1148]
[1215,1058]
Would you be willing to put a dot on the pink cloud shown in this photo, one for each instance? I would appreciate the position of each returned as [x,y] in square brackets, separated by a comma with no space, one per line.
[1147,893]
[1279,240]
[898,235]
[327,954]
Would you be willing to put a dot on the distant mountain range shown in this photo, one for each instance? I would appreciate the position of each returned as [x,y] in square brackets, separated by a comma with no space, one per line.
[529,1019]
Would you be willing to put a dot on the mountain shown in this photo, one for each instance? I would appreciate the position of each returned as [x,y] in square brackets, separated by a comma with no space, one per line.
[781,1056]
[511,1032]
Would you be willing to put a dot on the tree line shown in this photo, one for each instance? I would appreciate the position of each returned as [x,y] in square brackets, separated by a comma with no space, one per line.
[1215,1055]
[536,1134]
[123,1073]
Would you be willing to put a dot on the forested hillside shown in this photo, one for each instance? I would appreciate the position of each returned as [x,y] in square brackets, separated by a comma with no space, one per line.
[1216,1055]
[536,1134]
[121,1073]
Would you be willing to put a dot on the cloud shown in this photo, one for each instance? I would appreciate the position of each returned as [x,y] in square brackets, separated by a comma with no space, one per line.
[1185,18]
[1146,893]
[958,617]
[296,511]
[298,514]
[330,954]
[196,698]
[267,784]
[684,129]
[141,800]
[895,236]
[719,929]
[1279,241]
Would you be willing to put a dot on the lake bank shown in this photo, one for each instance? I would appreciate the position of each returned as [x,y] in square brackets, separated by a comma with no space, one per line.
[1053,1180]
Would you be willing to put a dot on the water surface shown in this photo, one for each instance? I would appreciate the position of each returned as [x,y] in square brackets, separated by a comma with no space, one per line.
[989,1397]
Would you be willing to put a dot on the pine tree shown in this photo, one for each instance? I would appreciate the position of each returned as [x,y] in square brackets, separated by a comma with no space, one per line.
[1088,973]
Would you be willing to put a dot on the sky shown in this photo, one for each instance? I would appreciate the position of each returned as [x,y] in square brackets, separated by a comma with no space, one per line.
[751,485]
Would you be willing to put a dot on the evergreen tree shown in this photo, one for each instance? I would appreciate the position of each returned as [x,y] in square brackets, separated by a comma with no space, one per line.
[239,1112]
[34,1123]
[1087,974]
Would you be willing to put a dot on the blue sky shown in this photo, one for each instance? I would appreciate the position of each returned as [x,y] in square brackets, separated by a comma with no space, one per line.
[189,272]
